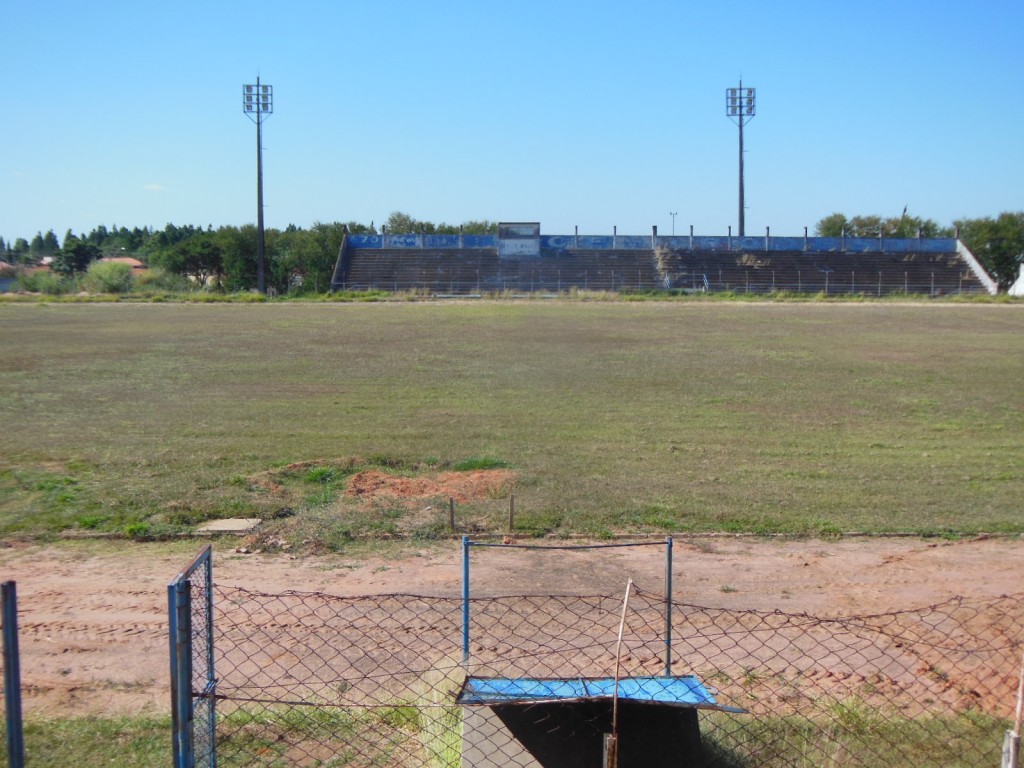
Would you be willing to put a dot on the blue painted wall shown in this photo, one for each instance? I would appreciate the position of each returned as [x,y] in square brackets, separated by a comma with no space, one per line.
[678,242]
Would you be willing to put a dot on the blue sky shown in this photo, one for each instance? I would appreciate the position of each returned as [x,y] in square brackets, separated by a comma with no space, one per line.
[594,114]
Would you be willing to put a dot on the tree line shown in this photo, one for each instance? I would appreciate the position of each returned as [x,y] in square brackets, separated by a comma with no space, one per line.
[298,260]
[303,260]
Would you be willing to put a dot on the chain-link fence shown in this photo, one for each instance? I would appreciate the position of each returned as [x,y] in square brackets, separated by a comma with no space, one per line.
[314,679]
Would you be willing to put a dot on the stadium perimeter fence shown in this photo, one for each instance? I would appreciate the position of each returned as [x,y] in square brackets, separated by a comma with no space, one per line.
[313,679]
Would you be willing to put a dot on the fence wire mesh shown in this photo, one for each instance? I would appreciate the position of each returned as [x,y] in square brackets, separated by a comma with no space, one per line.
[313,679]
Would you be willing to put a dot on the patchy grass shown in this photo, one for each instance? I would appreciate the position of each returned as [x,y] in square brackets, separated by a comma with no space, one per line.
[807,418]
[856,735]
[97,742]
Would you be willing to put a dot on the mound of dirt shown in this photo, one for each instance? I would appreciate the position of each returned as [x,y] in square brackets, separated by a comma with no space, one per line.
[373,485]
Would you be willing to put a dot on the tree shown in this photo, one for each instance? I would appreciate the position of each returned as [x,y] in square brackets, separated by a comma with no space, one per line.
[50,243]
[20,251]
[361,229]
[199,258]
[833,225]
[98,236]
[74,257]
[239,248]
[903,226]
[399,223]
[997,243]
[323,256]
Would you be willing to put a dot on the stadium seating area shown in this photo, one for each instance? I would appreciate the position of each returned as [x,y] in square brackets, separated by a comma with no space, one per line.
[462,271]
[874,273]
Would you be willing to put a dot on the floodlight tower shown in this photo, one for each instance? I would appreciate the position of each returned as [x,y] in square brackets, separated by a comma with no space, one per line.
[257,102]
[741,103]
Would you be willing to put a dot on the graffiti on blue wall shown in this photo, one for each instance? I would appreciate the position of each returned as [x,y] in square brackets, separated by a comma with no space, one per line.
[558,243]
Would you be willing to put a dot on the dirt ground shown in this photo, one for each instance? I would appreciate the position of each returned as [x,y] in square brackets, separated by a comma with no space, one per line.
[93,626]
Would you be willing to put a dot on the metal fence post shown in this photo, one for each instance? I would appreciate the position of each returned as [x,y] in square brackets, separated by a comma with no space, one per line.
[193,698]
[465,599]
[210,689]
[12,677]
[668,606]
[179,603]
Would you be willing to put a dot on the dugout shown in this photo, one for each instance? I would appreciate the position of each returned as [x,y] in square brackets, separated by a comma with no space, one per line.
[542,723]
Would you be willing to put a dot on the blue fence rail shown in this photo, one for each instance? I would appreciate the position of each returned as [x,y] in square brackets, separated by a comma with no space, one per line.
[193,682]
[12,676]
[672,242]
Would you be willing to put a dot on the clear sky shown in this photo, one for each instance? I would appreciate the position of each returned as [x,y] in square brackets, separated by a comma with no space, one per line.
[596,114]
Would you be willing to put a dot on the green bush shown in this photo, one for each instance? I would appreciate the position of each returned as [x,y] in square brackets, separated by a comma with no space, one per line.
[108,277]
[45,282]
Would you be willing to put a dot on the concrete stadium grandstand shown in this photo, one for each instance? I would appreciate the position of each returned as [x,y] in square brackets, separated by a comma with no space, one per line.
[519,259]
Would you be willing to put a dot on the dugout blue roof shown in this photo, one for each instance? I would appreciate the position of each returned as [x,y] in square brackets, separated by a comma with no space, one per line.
[682,691]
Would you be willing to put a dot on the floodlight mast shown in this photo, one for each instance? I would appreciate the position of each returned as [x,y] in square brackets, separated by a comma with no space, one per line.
[258,101]
[741,103]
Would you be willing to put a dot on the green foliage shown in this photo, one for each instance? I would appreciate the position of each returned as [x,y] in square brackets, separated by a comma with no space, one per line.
[158,279]
[399,223]
[320,498]
[42,245]
[321,475]
[98,742]
[997,243]
[137,530]
[199,258]
[108,277]
[45,282]
[903,226]
[20,251]
[75,257]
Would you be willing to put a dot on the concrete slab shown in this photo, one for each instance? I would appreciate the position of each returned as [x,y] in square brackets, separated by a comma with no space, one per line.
[230,525]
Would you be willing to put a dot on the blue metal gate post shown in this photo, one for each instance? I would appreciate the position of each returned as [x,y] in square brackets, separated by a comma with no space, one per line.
[668,606]
[179,594]
[191,636]
[12,677]
[465,599]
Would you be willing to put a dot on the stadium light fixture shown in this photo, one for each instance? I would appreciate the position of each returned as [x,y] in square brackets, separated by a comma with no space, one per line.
[673,215]
[740,105]
[257,103]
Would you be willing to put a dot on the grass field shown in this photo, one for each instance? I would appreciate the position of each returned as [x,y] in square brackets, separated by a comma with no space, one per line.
[811,418]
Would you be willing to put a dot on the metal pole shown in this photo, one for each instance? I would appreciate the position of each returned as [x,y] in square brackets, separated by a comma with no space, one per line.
[179,604]
[740,104]
[12,676]
[465,599]
[668,606]
[261,262]
[742,230]
[211,677]
[257,103]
